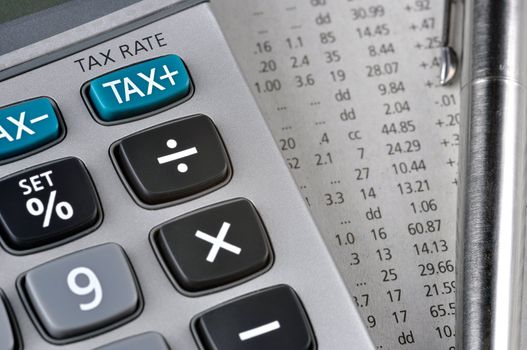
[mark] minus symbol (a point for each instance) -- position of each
(255, 332)
(38, 119)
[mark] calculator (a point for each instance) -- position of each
(143, 202)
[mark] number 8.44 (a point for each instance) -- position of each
(93, 286)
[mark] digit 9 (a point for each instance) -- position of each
(93, 286)
(372, 322)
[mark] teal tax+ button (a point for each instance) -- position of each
(27, 126)
(139, 89)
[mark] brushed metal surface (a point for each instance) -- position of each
(491, 211)
(494, 40)
(86, 35)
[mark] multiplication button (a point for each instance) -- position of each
(81, 294)
(171, 162)
(47, 204)
(213, 247)
(273, 318)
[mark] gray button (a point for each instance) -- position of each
(8, 340)
(145, 341)
(88, 291)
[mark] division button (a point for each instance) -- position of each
(81, 294)
(169, 162)
(28, 126)
(46, 204)
(140, 88)
(145, 341)
(273, 318)
(9, 339)
(213, 247)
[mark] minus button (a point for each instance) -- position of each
(255, 332)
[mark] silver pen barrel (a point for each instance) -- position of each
(492, 196)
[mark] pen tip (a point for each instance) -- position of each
(449, 63)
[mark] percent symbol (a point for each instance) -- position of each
(35, 207)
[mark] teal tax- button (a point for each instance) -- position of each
(139, 89)
(28, 126)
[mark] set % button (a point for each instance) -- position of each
(49, 204)
(35, 207)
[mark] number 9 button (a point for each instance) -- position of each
(81, 294)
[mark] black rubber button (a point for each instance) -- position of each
(46, 204)
(214, 246)
(273, 318)
(174, 160)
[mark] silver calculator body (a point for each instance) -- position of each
(57, 68)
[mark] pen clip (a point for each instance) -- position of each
(449, 57)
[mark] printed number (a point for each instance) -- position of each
(94, 286)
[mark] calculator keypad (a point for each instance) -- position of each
(273, 318)
(145, 341)
(83, 293)
(172, 161)
(92, 291)
(214, 246)
(48, 203)
(8, 337)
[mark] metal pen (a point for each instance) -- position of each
(492, 173)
